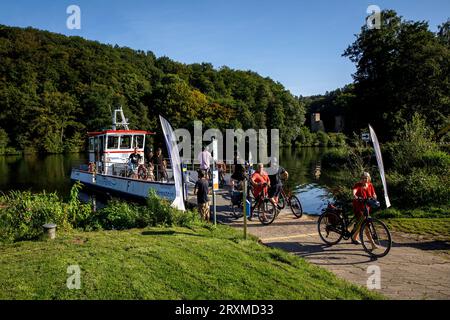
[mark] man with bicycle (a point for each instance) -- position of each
(277, 175)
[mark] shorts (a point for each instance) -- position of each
(203, 209)
(275, 191)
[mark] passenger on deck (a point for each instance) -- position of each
(161, 167)
(134, 160)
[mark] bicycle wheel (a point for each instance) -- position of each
(296, 206)
(281, 202)
(331, 228)
(267, 212)
(237, 211)
(375, 238)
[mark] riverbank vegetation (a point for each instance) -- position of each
(401, 88)
(23, 213)
(417, 173)
(128, 251)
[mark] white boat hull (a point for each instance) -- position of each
(125, 186)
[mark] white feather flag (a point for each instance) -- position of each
(175, 160)
(376, 146)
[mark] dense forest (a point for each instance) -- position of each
(402, 69)
(54, 88)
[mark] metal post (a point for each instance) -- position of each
(214, 194)
(244, 201)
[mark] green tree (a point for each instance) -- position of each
(4, 140)
(402, 68)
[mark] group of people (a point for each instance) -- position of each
(155, 168)
(261, 183)
(271, 186)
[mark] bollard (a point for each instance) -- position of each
(49, 231)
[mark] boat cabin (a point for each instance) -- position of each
(111, 149)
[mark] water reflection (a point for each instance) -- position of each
(37, 173)
(314, 198)
(306, 177)
(52, 173)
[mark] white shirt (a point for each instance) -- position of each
(204, 158)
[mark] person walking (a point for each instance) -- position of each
(201, 189)
(205, 158)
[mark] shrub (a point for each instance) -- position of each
(336, 139)
(117, 215)
(413, 141)
(159, 212)
(323, 139)
(335, 158)
(121, 215)
(80, 214)
(436, 161)
(24, 213)
(307, 138)
(4, 139)
(421, 188)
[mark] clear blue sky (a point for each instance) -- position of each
(298, 43)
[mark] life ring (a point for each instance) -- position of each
(142, 172)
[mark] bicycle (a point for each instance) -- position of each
(261, 206)
(333, 226)
(292, 201)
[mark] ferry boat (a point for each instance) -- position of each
(109, 169)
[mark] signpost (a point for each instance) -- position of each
(365, 137)
(244, 209)
(215, 178)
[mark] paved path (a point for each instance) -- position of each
(415, 268)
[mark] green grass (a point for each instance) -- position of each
(421, 212)
(438, 228)
(164, 263)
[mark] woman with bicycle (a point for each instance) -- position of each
(362, 190)
(260, 182)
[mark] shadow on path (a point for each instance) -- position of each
(426, 246)
(169, 233)
(330, 255)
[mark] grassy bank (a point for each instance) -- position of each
(437, 228)
(164, 263)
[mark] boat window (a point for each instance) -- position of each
(138, 142)
(91, 144)
(113, 142)
(102, 144)
(125, 142)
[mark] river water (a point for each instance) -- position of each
(52, 173)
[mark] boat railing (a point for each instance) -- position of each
(228, 168)
(123, 170)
